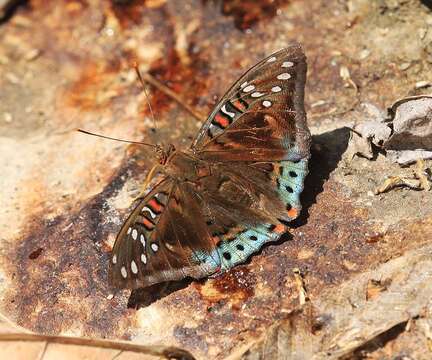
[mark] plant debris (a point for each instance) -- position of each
(405, 137)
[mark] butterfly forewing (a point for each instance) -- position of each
(262, 116)
(162, 240)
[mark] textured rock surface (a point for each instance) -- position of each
(68, 64)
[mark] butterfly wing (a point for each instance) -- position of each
(182, 229)
(261, 121)
(259, 137)
(162, 240)
(243, 205)
(262, 116)
(257, 142)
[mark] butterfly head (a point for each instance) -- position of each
(163, 152)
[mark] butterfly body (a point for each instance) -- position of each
(218, 202)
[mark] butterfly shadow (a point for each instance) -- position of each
(326, 152)
(140, 298)
(427, 3)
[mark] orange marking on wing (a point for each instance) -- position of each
(239, 105)
(221, 120)
(147, 223)
(292, 213)
(280, 229)
(155, 206)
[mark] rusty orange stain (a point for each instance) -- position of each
(95, 86)
(236, 286)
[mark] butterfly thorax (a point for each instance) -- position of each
(184, 166)
(163, 152)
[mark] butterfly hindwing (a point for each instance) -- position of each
(287, 178)
(243, 211)
(237, 249)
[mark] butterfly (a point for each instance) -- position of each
(210, 207)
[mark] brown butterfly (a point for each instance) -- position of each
(215, 204)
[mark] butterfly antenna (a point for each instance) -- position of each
(111, 138)
(145, 92)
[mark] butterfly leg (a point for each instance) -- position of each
(144, 188)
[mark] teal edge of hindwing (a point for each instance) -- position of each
(231, 252)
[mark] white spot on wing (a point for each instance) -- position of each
(155, 247)
(287, 64)
(284, 76)
(123, 272)
(129, 230)
(144, 259)
(267, 103)
(276, 89)
(225, 111)
(243, 85)
(134, 267)
(214, 129)
(114, 259)
(134, 234)
(158, 196)
(257, 94)
(142, 239)
(147, 209)
(272, 59)
(249, 88)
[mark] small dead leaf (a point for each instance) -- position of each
(422, 84)
(398, 181)
(359, 146)
(406, 157)
(421, 173)
(346, 77)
